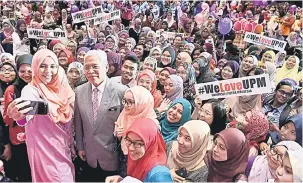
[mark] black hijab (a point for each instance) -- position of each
(204, 67)
(20, 83)
(4, 85)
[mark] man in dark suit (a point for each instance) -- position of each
(97, 107)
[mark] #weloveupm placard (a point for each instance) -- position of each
(251, 85)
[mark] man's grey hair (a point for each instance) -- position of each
(101, 55)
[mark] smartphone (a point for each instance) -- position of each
(182, 172)
(39, 108)
(25, 35)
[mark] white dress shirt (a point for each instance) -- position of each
(101, 88)
(118, 79)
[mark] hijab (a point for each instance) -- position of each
(85, 49)
(153, 49)
(170, 70)
(155, 93)
(53, 43)
(234, 67)
(8, 55)
(243, 73)
(115, 60)
(185, 57)
(73, 42)
(297, 120)
(153, 33)
(204, 67)
(151, 60)
(4, 85)
(192, 160)
(20, 83)
(154, 148)
(271, 53)
(257, 126)
(169, 130)
(99, 46)
(191, 47)
(296, 159)
(8, 33)
(115, 42)
(69, 55)
(178, 88)
(271, 71)
(190, 74)
(59, 45)
(237, 157)
(18, 31)
(133, 42)
(241, 104)
(279, 63)
(283, 72)
(144, 108)
(79, 67)
(291, 42)
(37, 16)
(123, 33)
(151, 40)
(172, 53)
(260, 171)
(59, 95)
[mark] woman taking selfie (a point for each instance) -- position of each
(48, 137)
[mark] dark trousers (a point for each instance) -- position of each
(97, 174)
(20, 163)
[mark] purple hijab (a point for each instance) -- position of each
(178, 85)
(234, 67)
(85, 49)
(114, 59)
(99, 46)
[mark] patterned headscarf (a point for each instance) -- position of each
(190, 73)
(257, 126)
(79, 67)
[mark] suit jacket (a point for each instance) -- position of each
(97, 139)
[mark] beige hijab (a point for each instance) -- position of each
(199, 132)
(144, 108)
(241, 104)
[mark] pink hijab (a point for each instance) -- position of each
(156, 93)
(144, 108)
(57, 93)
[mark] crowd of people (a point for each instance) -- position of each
(117, 101)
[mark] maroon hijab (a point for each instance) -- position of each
(237, 157)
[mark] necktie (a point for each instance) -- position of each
(95, 103)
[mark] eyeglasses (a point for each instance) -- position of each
(94, 67)
(127, 103)
(108, 41)
(275, 152)
(7, 70)
(128, 142)
(282, 92)
(205, 112)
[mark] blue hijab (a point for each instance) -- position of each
(297, 120)
(169, 130)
